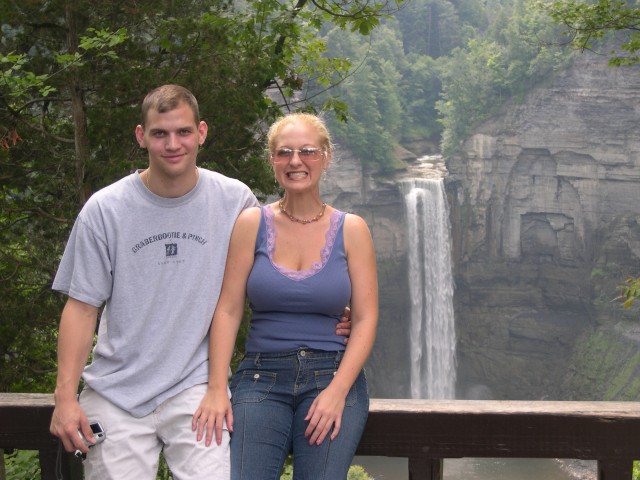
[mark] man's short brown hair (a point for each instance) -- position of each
(168, 97)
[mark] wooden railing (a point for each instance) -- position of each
(424, 431)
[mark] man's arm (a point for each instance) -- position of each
(75, 339)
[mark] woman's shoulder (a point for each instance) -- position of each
(246, 226)
(355, 222)
(249, 215)
(356, 231)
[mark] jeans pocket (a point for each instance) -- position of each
(323, 379)
(252, 386)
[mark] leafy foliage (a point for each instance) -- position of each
(72, 76)
(586, 23)
(436, 70)
(374, 116)
(22, 465)
(356, 472)
(629, 292)
(502, 63)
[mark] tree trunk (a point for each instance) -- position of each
(81, 133)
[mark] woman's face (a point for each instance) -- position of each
(297, 159)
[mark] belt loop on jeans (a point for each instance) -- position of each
(256, 361)
(338, 358)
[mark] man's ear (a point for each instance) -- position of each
(140, 136)
(203, 128)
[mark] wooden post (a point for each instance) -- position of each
(56, 464)
(421, 468)
(615, 469)
(49, 462)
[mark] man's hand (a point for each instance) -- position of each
(67, 421)
(343, 327)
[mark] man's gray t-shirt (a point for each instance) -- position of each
(158, 264)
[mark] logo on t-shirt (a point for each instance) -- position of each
(171, 249)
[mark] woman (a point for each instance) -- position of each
(299, 261)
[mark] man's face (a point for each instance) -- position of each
(172, 139)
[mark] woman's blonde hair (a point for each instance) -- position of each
(310, 119)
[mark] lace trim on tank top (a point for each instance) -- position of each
(324, 253)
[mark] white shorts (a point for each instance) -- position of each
(132, 445)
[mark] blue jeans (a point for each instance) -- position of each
(271, 394)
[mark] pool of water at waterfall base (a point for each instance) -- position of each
(385, 468)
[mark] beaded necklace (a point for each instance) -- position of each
(300, 220)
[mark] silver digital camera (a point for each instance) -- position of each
(99, 434)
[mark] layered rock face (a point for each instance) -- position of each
(545, 215)
(545, 205)
(380, 203)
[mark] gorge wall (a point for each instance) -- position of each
(545, 214)
(379, 201)
(546, 209)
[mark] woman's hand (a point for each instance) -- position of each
(214, 410)
(325, 412)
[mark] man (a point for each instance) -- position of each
(151, 248)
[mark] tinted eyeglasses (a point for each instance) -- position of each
(306, 153)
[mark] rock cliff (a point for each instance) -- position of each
(545, 210)
(545, 214)
(380, 203)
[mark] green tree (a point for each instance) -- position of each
(73, 74)
(472, 80)
(502, 63)
(436, 70)
(587, 23)
(375, 114)
(629, 292)
(421, 89)
(435, 27)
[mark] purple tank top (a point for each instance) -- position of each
(297, 309)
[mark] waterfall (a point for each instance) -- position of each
(432, 331)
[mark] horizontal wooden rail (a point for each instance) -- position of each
(427, 431)
(24, 425)
(424, 431)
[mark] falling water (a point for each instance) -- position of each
(432, 335)
(433, 374)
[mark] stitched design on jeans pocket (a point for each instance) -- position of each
(323, 379)
(254, 386)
